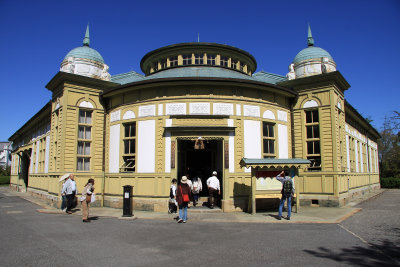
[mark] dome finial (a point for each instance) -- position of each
(310, 39)
(86, 40)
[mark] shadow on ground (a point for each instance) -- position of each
(385, 253)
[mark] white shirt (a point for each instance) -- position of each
(213, 182)
(67, 188)
(197, 186)
(173, 187)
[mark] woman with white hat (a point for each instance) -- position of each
(183, 196)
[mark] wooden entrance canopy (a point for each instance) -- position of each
(263, 173)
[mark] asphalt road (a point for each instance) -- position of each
(28, 238)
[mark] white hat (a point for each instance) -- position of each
(184, 180)
(214, 173)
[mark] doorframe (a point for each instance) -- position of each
(223, 139)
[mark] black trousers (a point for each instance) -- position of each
(70, 201)
(213, 193)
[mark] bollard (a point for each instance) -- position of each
(127, 202)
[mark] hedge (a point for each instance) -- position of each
(4, 180)
(390, 182)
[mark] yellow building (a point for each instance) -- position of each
(199, 107)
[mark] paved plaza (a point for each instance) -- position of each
(364, 233)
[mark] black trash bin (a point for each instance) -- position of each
(127, 204)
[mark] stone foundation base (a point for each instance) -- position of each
(235, 205)
(146, 204)
(334, 201)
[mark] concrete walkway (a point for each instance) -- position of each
(305, 215)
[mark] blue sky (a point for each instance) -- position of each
(362, 36)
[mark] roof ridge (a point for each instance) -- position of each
(126, 74)
(269, 74)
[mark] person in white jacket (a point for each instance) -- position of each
(213, 189)
(197, 187)
(69, 189)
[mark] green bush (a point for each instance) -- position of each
(390, 182)
(4, 180)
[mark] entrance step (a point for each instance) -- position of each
(203, 209)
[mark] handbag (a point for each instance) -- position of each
(88, 198)
(185, 197)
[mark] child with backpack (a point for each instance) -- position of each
(287, 193)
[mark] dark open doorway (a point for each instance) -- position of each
(202, 162)
(24, 171)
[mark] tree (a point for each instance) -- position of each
(389, 146)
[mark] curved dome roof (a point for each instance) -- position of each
(310, 53)
(85, 52)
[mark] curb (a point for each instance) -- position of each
(345, 217)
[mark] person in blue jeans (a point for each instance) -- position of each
(183, 196)
(287, 193)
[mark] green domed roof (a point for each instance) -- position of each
(310, 53)
(85, 52)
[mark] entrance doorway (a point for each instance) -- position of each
(24, 171)
(200, 162)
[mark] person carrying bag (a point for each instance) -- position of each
(86, 199)
(183, 196)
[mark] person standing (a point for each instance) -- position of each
(173, 205)
(197, 187)
(69, 189)
(86, 199)
(213, 189)
(287, 193)
(183, 195)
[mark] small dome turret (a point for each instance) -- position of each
(311, 61)
(85, 61)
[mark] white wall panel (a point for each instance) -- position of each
(252, 140)
(167, 151)
(361, 158)
(356, 155)
(146, 154)
(348, 153)
(32, 159)
(231, 152)
(113, 164)
(47, 154)
(283, 141)
(37, 156)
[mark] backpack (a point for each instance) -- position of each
(287, 188)
(171, 194)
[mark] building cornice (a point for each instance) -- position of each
(46, 110)
(335, 77)
(62, 77)
(181, 80)
(352, 112)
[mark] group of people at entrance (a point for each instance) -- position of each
(69, 191)
(181, 195)
(187, 190)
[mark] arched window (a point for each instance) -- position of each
(84, 140)
(313, 139)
